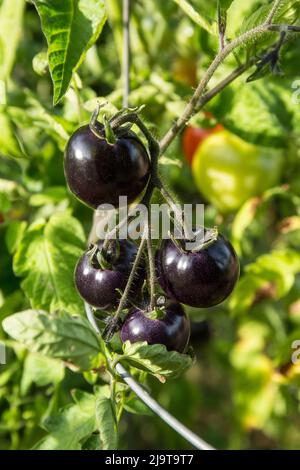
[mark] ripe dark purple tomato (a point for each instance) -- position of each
(200, 279)
(98, 172)
(172, 330)
(100, 287)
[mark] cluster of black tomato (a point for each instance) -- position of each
(98, 172)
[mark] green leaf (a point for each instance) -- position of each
(279, 267)
(1, 299)
(163, 160)
(72, 424)
(286, 349)
(46, 258)
(41, 370)
(40, 63)
(71, 27)
(288, 12)
(156, 359)
(64, 337)
(225, 4)
(9, 373)
(11, 19)
(12, 188)
(242, 221)
(106, 421)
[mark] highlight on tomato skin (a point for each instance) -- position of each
(100, 285)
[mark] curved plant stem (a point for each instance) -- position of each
(284, 27)
(134, 118)
(193, 104)
(273, 11)
(149, 401)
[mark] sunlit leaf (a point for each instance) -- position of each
(106, 420)
(11, 19)
(41, 370)
(155, 359)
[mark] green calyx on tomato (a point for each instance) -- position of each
(228, 171)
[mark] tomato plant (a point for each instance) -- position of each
(185, 70)
(94, 97)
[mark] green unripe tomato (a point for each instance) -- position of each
(228, 171)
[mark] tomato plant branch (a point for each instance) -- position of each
(149, 401)
(193, 104)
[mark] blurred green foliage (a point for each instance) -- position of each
(243, 391)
